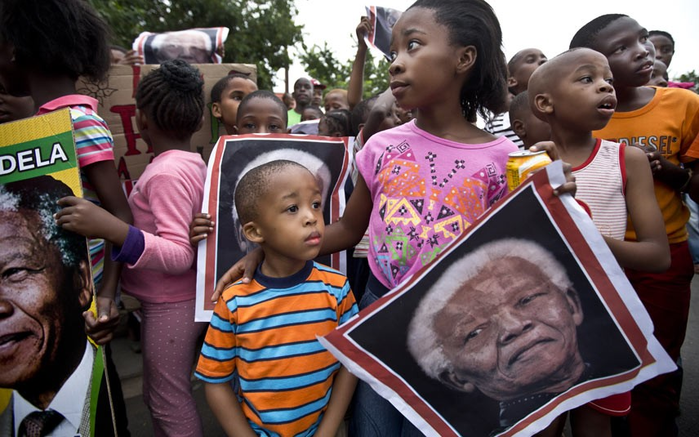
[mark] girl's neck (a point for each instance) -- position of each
(632, 98)
(165, 144)
(45, 88)
(449, 123)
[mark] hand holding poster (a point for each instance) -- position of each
(45, 358)
(514, 324)
(233, 156)
(382, 21)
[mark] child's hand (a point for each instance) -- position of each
(85, 218)
(551, 150)
(101, 329)
(131, 58)
(245, 268)
(363, 30)
(655, 158)
(200, 228)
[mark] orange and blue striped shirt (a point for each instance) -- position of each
(263, 334)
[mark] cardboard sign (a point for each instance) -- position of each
(525, 316)
(117, 107)
(47, 278)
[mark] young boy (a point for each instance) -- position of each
(226, 96)
(665, 123)
(529, 128)
(519, 70)
(263, 334)
(573, 93)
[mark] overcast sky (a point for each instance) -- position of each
(545, 24)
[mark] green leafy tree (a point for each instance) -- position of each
(690, 77)
(322, 64)
(260, 30)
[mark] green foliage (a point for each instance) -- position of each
(260, 30)
(322, 64)
(689, 77)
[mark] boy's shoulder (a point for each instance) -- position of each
(329, 272)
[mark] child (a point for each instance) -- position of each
(311, 113)
(261, 112)
(336, 99)
(573, 93)
(159, 259)
(519, 69)
(665, 123)
(529, 128)
(659, 75)
(264, 334)
(447, 64)
(226, 96)
(336, 123)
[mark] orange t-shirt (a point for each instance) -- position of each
(670, 123)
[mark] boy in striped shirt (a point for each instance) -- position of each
(264, 333)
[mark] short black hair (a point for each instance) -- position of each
(264, 94)
(519, 105)
(220, 86)
(315, 108)
(473, 22)
(340, 120)
(360, 113)
(57, 37)
(662, 33)
(41, 195)
(254, 185)
(172, 96)
(587, 35)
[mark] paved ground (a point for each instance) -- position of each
(129, 365)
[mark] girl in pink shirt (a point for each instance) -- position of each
(159, 261)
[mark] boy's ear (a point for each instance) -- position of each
(511, 82)
(216, 110)
(252, 232)
(467, 58)
(543, 103)
(518, 128)
(450, 379)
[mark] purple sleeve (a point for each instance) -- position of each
(132, 249)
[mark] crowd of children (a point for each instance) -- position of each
(605, 107)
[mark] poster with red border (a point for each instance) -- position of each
(386, 345)
(233, 156)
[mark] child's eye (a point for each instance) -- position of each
(620, 49)
(609, 80)
(412, 44)
(249, 126)
(586, 79)
(292, 208)
(392, 55)
(316, 205)
(274, 128)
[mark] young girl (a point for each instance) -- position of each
(446, 64)
(159, 259)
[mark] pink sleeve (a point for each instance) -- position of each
(171, 201)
